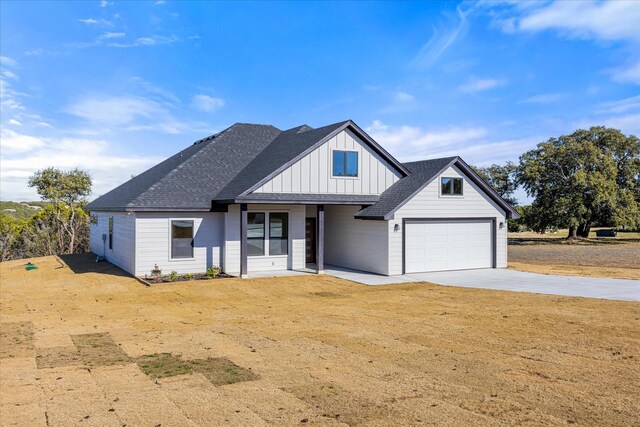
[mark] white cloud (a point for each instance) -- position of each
(88, 21)
(207, 103)
(401, 102)
(479, 85)
(604, 20)
(114, 111)
(9, 74)
(627, 74)
(5, 60)
(105, 3)
(620, 106)
(441, 41)
(156, 40)
(130, 113)
(23, 154)
(474, 144)
(14, 122)
(111, 35)
(545, 98)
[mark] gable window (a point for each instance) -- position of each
(255, 233)
(345, 163)
(278, 233)
(111, 233)
(451, 186)
(181, 239)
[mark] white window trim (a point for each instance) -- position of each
(178, 260)
(344, 177)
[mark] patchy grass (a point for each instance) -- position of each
(163, 365)
(404, 354)
(218, 370)
(573, 270)
(99, 350)
(16, 339)
(56, 357)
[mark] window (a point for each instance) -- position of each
(111, 233)
(451, 186)
(278, 233)
(345, 163)
(181, 239)
(255, 234)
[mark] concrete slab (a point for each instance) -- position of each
(366, 278)
(520, 281)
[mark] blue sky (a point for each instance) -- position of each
(115, 87)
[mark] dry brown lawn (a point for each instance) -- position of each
(617, 258)
(91, 346)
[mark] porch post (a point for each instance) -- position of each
(243, 241)
(320, 240)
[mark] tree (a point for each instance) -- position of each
(67, 192)
(501, 179)
(579, 179)
(10, 234)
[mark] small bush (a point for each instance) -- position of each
(173, 276)
(213, 272)
(187, 276)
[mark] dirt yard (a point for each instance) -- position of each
(615, 258)
(88, 345)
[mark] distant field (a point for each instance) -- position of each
(20, 210)
(617, 257)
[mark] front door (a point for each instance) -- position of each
(310, 239)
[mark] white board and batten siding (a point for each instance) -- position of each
(428, 203)
(153, 236)
(313, 174)
(295, 259)
(354, 243)
(123, 249)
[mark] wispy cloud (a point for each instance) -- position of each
(480, 85)
(112, 35)
(441, 40)
(545, 98)
(475, 144)
(605, 20)
(401, 102)
(207, 103)
(620, 106)
(627, 74)
(5, 60)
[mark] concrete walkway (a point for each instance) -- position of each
(507, 280)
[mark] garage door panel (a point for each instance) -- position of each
(448, 245)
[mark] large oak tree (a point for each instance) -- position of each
(591, 176)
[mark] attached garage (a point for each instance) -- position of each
(449, 244)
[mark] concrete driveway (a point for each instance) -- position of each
(520, 281)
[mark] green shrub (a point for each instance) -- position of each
(187, 276)
(173, 276)
(213, 272)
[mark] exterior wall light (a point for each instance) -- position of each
(396, 228)
(501, 225)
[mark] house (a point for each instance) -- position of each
(254, 198)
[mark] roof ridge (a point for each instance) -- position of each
(207, 140)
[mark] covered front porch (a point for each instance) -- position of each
(266, 237)
(275, 231)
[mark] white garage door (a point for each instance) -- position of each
(454, 245)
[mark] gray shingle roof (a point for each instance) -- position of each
(422, 173)
(190, 179)
(393, 197)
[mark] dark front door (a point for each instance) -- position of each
(310, 239)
